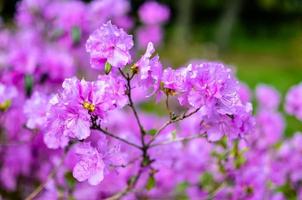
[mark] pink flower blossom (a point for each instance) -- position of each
(109, 44)
(153, 13)
(91, 165)
(293, 101)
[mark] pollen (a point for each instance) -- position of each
(88, 106)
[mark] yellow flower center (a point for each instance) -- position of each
(88, 106)
(5, 105)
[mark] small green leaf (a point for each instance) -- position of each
(28, 84)
(108, 68)
(180, 191)
(76, 35)
(70, 180)
(206, 179)
(152, 132)
(150, 183)
(173, 134)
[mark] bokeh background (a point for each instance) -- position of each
(262, 39)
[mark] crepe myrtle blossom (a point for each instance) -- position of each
(70, 112)
(109, 44)
(293, 101)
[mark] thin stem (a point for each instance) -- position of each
(179, 140)
(97, 127)
(53, 172)
(129, 188)
(171, 121)
(131, 104)
(168, 106)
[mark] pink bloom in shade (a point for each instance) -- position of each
(293, 101)
(244, 93)
(35, 110)
(268, 97)
(116, 10)
(7, 93)
(270, 125)
(149, 33)
(91, 165)
(109, 44)
(54, 136)
(149, 69)
(67, 14)
(237, 125)
(153, 13)
(57, 64)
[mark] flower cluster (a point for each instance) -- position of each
(96, 136)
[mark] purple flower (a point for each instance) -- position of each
(153, 13)
(268, 97)
(244, 93)
(71, 110)
(35, 110)
(7, 94)
(149, 33)
(293, 102)
(270, 126)
(109, 44)
(149, 69)
(91, 165)
(57, 64)
(210, 84)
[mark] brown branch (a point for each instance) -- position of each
(51, 175)
(131, 104)
(98, 127)
(184, 139)
(171, 121)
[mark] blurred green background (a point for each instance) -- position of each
(262, 39)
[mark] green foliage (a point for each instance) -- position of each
(152, 132)
(28, 84)
(70, 180)
(107, 68)
(151, 182)
(76, 35)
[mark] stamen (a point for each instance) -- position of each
(88, 106)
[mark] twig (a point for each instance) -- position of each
(39, 189)
(129, 187)
(171, 121)
(179, 140)
(97, 127)
(213, 194)
(131, 104)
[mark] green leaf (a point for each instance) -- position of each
(206, 179)
(108, 68)
(150, 183)
(180, 191)
(76, 35)
(28, 84)
(152, 132)
(70, 180)
(173, 134)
